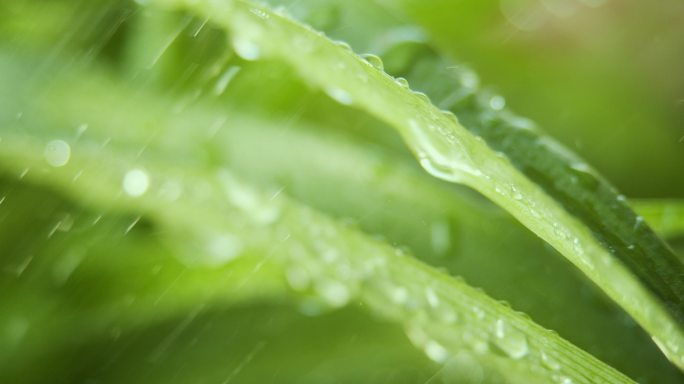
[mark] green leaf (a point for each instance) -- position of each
(238, 242)
(448, 151)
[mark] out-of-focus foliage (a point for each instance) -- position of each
(186, 196)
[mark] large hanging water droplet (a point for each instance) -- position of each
(374, 61)
(57, 153)
(510, 341)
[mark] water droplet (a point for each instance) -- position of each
(374, 61)
(515, 193)
(402, 82)
(469, 79)
(497, 103)
(479, 313)
(422, 96)
(638, 222)
(509, 340)
(400, 295)
(435, 351)
(582, 167)
(297, 277)
(259, 13)
(282, 11)
(432, 298)
(450, 116)
(340, 95)
(136, 182)
(562, 379)
(344, 46)
(621, 198)
(335, 293)
(246, 49)
(524, 315)
(549, 362)
(223, 248)
(57, 153)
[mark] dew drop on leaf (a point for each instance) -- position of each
(549, 362)
(57, 153)
(509, 340)
(374, 61)
(402, 82)
(422, 96)
(344, 46)
(450, 116)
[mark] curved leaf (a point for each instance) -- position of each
(449, 151)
